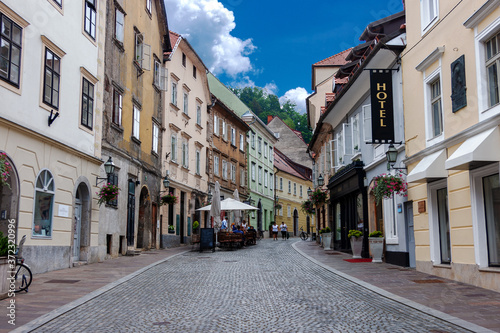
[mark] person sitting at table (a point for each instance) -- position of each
(244, 225)
(239, 231)
(233, 227)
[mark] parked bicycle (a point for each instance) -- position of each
(23, 276)
(303, 235)
(260, 235)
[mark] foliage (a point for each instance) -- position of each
(5, 169)
(107, 193)
(171, 227)
(4, 245)
(308, 207)
(386, 185)
(376, 234)
(264, 104)
(319, 197)
(325, 230)
(196, 224)
(354, 233)
(168, 199)
(278, 206)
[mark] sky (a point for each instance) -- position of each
(272, 44)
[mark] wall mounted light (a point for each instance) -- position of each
(109, 168)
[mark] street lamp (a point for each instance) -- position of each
(109, 168)
(321, 181)
(392, 156)
(166, 182)
(309, 192)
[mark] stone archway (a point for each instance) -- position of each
(144, 227)
(9, 197)
(81, 221)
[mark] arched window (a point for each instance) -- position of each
(44, 203)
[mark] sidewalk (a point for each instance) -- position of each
(463, 301)
(54, 289)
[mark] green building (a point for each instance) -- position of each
(260, 155)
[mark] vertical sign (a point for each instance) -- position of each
(382, 106)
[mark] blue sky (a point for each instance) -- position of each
(270, 43)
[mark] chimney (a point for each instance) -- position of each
(269, 118)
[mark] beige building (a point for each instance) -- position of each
(186, 139)
(452, 117)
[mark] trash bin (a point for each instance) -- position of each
(313, 236)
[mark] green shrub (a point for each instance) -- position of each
(4, 245)
(196, 224)
(354, 233)
(376, 234)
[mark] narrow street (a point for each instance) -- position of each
(270, 287)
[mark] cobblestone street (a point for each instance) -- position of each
(266, 288)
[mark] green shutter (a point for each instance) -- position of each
(178, 225)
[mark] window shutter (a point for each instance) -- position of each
(332, 153)
(347, 141)
(367, 123)
(146, 57)
(328, 154)
(163, 78)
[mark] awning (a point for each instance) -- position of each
(430, 167)
(476, 151)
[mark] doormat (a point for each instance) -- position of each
(428, 281)
(359, 260)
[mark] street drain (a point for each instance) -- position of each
(162, 323)
(428, 281)
(62, 281)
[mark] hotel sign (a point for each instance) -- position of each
(382, 106)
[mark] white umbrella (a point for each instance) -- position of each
(215, 207)
(237, 213)
(230, 204)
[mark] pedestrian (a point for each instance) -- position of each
(283, 229)
(244, 225)
(223, 224)
(275, 231)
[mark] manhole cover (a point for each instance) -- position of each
(161, 323)
(62, 281)
(428, 281)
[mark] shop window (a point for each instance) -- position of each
(44, 204)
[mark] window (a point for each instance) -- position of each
(51, 79)
(119, 24)
(58, 2)
(173, 98)
(294, 188)
(185, 154)
(117, 107)
(137, 122)
(492, 67)
(198, 168)
(186, 98)
(242, 142)
(289, 211)
(142, 52)
(157, 74)
(429, 13)
(44, 204)
(233, 136)
(113, 179)
(183, 60)
(265, 178)
(173, 148)
(300, 191)
(253, 171)
(224, 169)
(90, 17)
(253, 140)
(440, 232)
(491, 189)
(289, 187)
(265, 149)
(198, 114)
(233, 173)
(436, 110)
(10, 50)
(271, 155)
(260, 175)
(271, 181)
(355, 135)
(216, 125)
(259, 145)
(194, 71)
(224, 129)
(242, 176)
(281, 184)
(149, 6)
(155, 137)
(87, 103)
(216, 165)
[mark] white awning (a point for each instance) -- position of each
(430, 167)
(481, 149)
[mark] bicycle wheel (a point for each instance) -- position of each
(22, 278)
(303, 236)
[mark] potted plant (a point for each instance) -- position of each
(4, 265)
(196, 225)
(356, 238)
(327, 238)
(386, 185)
(168, 199)
(319, 197)
(171, 229)
(278, 206)
(376, 241)
(107, 193)
(308, 207)
(5, 169)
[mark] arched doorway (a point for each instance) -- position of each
(259, 216)
(143, 227)
(81, 223)
(9, 196)
(295, 222)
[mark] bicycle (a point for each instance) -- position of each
(303, 235)
(260, 235)
(22, 276)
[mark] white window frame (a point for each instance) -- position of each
(185, 153)
(265, 149)
(289, 187)
(185, 101)
(173, 147)
(117, 107)
(224, 129)
(119, 25)
(259, 145)
(216, 165)
(156, 131)
(224, 169)
(242, 177)
(253, 140)
(265, 178)
(300, 191)
(173, 94)
(271, 154)
(260, 175)
(435, 248)
(252, 167)
(294, 188)
(136, 123)
(428, 19)
(198, 114)
(233, 173)
(216, 125)
(289, 211)
(198, 162)
(149, 6)
(367, 123)
(429, 79)
(48, 188)
(356, 133)
(242, 142)
(233, 136)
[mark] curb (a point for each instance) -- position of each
(419, 307)
(40, 321)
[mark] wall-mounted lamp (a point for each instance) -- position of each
(392, 157)
(321, 180)
(309, 192)
(109, 167)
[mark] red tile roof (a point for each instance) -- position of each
(281, 163)
(330, 97)
(173, 41)
(335, 60)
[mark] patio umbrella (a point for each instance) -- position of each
(230, 204)
(237, 213)
(215, 207)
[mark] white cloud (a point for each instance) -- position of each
(298, 97)
(207, 25)
(242, 82)
(271, 88)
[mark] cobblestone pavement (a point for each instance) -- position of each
(265, 288)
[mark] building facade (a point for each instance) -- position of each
(136, 38)
(452, 117)
(187, 139)
(50, 128)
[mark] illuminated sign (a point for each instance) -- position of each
(382, 106)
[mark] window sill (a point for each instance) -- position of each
(155, 154)
(447, 266)
(184, 114)
(156, 88)
(234, 146)
(40, 237)
(119, 45)
(111, 206)
(490, 269)
(174, 163)
(185, 168)
(175, 107)
(137, 66)
(117, 127)
(135, 140)
(197, 175)
(199, 126)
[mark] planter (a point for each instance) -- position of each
(357, 247)
(376, 248)
(4, 273)
(327, 239)
(171, 231)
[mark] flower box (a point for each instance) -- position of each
(386, 185)
(168, 199)
(107, 193)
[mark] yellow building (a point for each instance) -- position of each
(452, 116)
(292, 182)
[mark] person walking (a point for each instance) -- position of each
(275, 231)
(283, 229)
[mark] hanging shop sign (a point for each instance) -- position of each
(382, 106)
